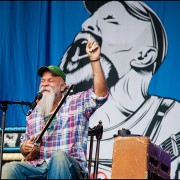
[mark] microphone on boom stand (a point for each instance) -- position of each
(34, 104)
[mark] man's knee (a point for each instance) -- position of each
(9, 170)
(60, 156)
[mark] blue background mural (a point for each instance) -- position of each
(37, 33)
(34, 33)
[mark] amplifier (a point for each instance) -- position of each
(135, 157)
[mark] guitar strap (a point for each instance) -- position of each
(171, 144)
(151, 114)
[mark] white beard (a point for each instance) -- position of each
(48, 99)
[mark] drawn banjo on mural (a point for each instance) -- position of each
(133, 46)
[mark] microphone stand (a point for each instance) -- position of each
(4, 108)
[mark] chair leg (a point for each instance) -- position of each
(96, 162)
(98, 131)
(90, 154)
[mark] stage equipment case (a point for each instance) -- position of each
(135, 157)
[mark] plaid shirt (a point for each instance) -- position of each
(70, 133)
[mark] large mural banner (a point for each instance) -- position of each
(139, 43)
(133, 46)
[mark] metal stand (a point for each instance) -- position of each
(96, 131)
(4, 108)
(98, 137)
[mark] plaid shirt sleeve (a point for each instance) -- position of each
(92, 102)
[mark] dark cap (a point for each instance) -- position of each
(53, 69)
(92, 6)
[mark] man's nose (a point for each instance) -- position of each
(91, 24)
(44, 83)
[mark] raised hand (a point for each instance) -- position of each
(93, 50)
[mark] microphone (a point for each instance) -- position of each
(33, 105)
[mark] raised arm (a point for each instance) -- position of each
(99, 82)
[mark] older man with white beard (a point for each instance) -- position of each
(50, 95)
(63, 147)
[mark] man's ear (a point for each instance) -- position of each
(146, 56)
(63, 86)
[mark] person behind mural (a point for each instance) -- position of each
(133, 46)
(63, 147)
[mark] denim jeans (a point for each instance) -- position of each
(60, 166)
